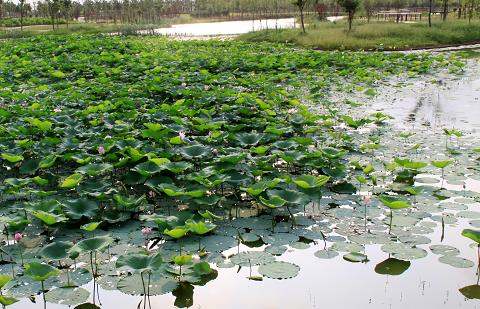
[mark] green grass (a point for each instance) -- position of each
(374, 35)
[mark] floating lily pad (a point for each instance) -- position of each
(299, 245)
(456, 261)
(275, 250)
(392, 266)
(280, 239)
(279, 270)
(132, 285)
(444, 250)
(471, 291)
(326, 254)
(252, 258)
(355, 257)
(346, 247)
(67, 296)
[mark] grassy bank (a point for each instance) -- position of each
(374, 35)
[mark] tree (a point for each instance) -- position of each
(22, 4)
(301, 4)
(369, 7)
(430, 9)
(351, 7)
(66, 6)
(445, 9)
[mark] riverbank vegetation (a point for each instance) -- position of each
(374, 35)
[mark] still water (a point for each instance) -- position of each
(226, 27)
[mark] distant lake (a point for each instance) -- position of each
(226, 27)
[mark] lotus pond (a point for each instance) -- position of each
(145, 172)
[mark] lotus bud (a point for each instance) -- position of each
(147, 231)
(18, 236)
(152, 194)
(215, 151)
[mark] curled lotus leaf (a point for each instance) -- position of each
(139, 262)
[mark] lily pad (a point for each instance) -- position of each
(67, 296)
(252, 258)
(456, 261)
(279, 270)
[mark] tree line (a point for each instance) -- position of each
(153, 11)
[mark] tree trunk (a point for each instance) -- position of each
(445, 9)
(21, 15)
(302, 21)
(350, 20)
(430, 14)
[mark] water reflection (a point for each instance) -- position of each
(444, 104)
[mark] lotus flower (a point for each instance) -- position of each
(182, 135)
(101, 150)
(367, 199)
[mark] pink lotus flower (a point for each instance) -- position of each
(57, 110)
(101, 150)
(215, 151)
(183, 85)
(182, 135)
(18, 236)
(292, 111)
(147, 231)
(367, 199)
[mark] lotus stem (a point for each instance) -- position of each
(148, 290)
(443, 230)
(391, 220)
(98, 295)
(478, 267)
(43, 292)
(91, 264)
(291, 216)
(365, 217)
(144, 292)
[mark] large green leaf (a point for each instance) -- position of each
(40, 272)
(309, 181)
(79, 208)
(56, 250)
(72, 181)
(99, 243)
(139, 262)
(472, 234)
(394, 202)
